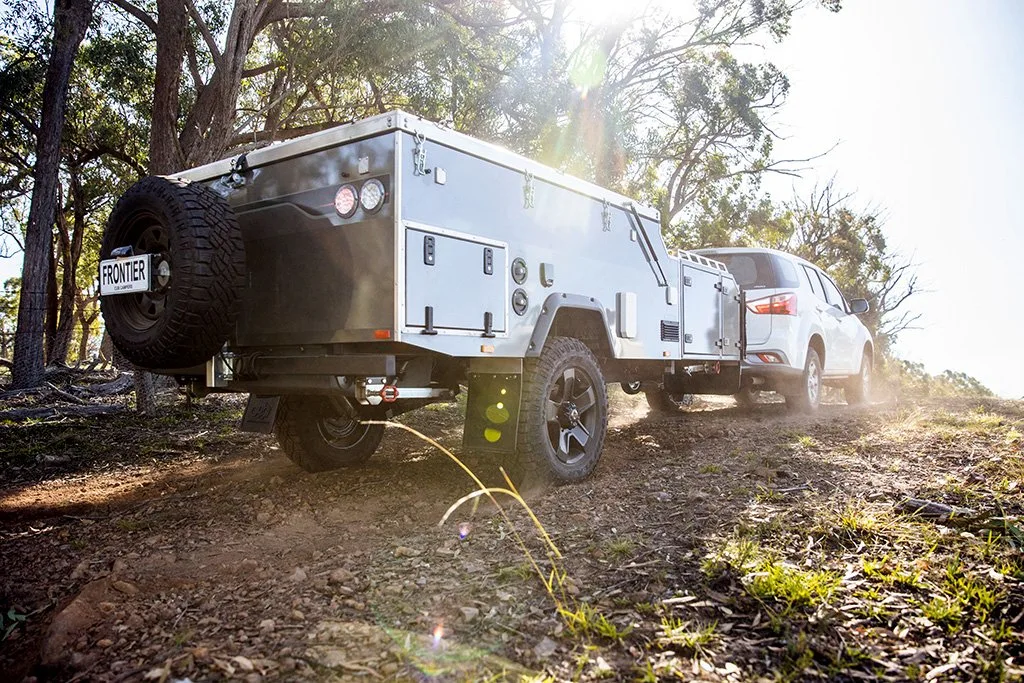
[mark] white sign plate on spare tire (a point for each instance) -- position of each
(125, 275)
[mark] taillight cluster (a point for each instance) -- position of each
(370, 196)
(777, 304)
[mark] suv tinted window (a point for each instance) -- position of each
(785, 271)
(813, 281)
(752, 271)
(832, 293)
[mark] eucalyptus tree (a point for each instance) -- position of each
(71, 19)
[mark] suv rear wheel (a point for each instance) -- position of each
(807, 396)
(858, 388)
(747, 397)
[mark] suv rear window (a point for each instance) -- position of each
(757, 270)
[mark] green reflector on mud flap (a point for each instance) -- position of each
(492, 412)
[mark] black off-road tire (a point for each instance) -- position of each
(546, 417)
(319, 434)
(661, 401)
(857, 390)
(747, 397)
(187, 320)
(631, 388)
(807, 396)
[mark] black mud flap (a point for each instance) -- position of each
(260, 413)
(492, 413)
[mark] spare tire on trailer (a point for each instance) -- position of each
(198, 273)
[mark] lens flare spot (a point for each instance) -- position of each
(504, 391)
(497, 413)
(492, 435)
(438, 633)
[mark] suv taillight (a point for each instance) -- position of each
(777, 304)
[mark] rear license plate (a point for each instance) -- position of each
(125, 275)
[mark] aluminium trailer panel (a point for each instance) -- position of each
(458, 212)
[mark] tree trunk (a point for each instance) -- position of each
(164, 152)
(50, 331)
(107, 350)
(71, 19)
(145, 393)
(208, 130)
(71, 254)
(85, 319)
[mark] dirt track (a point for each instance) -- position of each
(212, 557)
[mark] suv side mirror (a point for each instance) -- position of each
(859, 306)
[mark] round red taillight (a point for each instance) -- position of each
(346, 201)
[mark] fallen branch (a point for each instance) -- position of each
(49, 412)
(61, 394)
(121, 385)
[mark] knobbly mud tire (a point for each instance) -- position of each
(185, 321)
(318, 434)
(564, 415)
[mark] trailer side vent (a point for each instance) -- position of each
(669, 330)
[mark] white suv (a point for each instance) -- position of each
(801, 331)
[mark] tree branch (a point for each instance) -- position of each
(136, 12)
(260, 70)
(204, 30)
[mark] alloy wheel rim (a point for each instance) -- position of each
(147, 235)
(571, 413)
(813, 383)
(341, 431)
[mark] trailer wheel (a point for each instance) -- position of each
(746, 398)
(631, 388)
(807, 396)
(662, 401)
(198, 273)
(565, 413)
(857, 389)
(320, 433)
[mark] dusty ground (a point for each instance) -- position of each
(710, 544)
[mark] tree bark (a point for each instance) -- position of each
(71, 240)
(85, 319)
(164, 152)
(50, 329)
(71, 19)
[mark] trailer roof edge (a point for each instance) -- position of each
(401, 120)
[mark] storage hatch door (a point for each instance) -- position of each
(702, 312)
(461, 278)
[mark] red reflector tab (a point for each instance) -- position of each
(382, 334)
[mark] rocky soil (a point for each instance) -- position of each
(711, 544)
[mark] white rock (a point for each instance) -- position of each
(545, 648)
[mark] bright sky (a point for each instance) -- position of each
(927, 102)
